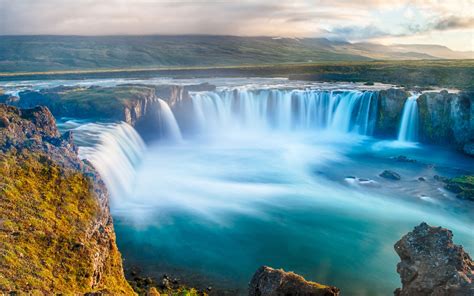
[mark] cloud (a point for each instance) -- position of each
(352, 20)
(453, 22)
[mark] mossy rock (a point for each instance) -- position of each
(46, 214)
(463, 186)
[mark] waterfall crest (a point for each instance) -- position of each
(114, 150)
(409, 124)
(342, 111)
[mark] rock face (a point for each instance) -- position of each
(446, 118)
(276, 282)
(431, 264)
(56, 231)
(390, 110)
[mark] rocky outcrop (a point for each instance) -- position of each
(276, 282)
(431, 264)
(390, 108)
(391, 175)
(56, 231)
(446, 118)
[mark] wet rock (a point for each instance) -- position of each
(446, 118)
(463, 187)
(469, 148)
(391, 175)
(440, 178)
(403, 158)
(165, 283)
(431, 264)
(390, 109)
(275, 282)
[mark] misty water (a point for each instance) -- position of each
(267, 181)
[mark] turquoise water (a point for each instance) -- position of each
(210, 212)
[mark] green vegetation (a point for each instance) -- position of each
(53, 53)
(463, 186)
(427, 73)
(96, 102)
(45, 213)
(147, 286)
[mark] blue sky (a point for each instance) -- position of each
(446, 22)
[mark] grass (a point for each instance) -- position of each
(44, 215)
(424, 73)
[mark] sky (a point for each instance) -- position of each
(444, 22)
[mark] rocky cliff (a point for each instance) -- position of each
(431, 264)
(447, 118)
(390, 109)
(56, 231)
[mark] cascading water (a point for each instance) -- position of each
(114, 150)
(342, 111)
(168, 126)
(244, 194)
(409, 124)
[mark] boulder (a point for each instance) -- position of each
(391, 175)
(431, 264)
(275, 282)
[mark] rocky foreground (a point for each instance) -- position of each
(56, 232)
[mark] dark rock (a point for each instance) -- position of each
(272, 282)
(469, 148)
(446, 118)
(390, 109)
(421, 179)
(165, 283)
(440, 178)
(391, 175)
(431, 264)
(403, 158)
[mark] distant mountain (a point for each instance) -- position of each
(438, 51)
(49, 53)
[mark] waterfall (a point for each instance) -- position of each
(168, 125)
(342, 111)
(409, 124)
(114, 150)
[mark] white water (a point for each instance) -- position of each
(409, 124)
(270, 188)
(285, 110)
(169, 128)
(115, 150)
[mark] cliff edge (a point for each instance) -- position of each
(56, 232)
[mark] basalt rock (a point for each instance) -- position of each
(390, 108)
(431, 264)
(275, 282)
(446, 118)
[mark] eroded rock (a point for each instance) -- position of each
(431, 264)
(276, 282)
